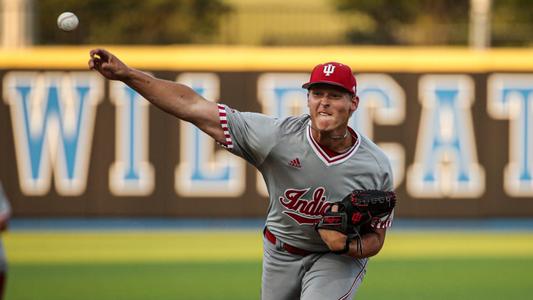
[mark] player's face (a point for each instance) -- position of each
(330, 108)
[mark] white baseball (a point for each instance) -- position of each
(67, 21)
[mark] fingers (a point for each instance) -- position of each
(335, 208)
(98, 57)
(107, 64)
(94, 63)
(101, 54)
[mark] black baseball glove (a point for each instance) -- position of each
(358, 208)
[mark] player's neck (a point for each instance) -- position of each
(336, 142)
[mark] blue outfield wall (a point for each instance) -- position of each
(455, 124)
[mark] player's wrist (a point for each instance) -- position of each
(129, 75)
(346, 248)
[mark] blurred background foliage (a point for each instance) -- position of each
(512, 23)
(131, 22)
(280, 22)
(436, 22)
(408, 22)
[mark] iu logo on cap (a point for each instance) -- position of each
(329, 69)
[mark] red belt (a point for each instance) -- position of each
(291, 249)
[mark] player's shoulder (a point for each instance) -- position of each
(376, 159)
(367, 143)
(285, 125)
(294, 123)
(374, 150)
(290, 121)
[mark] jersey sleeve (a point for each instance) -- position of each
(248, 135)
(387, 185)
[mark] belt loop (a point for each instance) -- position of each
(279, 245)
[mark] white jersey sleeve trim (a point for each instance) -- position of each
(384, 222)
(223, 117)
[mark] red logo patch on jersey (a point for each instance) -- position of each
(295, 163)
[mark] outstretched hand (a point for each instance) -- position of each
(108, 65)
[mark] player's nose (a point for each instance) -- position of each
(324, 100)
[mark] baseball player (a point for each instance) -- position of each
(5, 213)
(309, 162)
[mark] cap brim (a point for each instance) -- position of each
(310, 84)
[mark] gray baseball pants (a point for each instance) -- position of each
(317, 276)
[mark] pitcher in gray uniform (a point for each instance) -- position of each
(308, 162)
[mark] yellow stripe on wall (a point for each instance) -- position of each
(233, 59)
(161, 246)
(436, 244)
(132, 246)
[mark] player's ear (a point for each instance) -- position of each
(354, 104)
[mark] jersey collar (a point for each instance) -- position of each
(325, 157)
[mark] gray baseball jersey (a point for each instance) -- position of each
(301, 177)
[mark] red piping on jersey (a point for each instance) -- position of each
(324, 155)
(332, 153)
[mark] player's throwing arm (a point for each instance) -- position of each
(174, 98)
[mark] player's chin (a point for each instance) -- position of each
(325, 123)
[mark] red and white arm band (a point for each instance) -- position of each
(222, 114)
(384, 222)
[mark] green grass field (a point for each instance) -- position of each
(227, 265)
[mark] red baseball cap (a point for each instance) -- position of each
(333, 73)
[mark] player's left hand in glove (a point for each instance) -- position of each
(358, 208)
